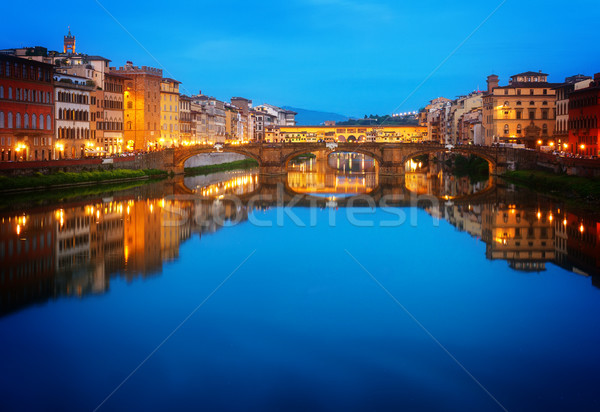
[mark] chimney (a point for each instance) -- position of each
(597, 77)
(492, 81)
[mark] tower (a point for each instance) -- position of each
(69, 43)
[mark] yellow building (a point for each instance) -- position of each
(397, 134)
(169, 113)
(522, 112)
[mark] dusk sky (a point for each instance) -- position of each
(344, 56)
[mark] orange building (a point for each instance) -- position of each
(142, 106)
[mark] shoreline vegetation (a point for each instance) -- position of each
(40, 197)
(557, 185)
(221, 167)
(69, 179)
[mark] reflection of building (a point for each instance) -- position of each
(583, 242)
(523, 237)
(338, 173)
(27, 255)
(142, 231)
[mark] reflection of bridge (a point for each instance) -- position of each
(275, 190)
(391, 157)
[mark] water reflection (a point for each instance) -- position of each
(339, 173)
(75, 248)
(436, 179)
(236, 182)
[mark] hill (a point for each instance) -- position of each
(307, 117)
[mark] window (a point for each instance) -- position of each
(531, 92)
(2, 121)
(518, 91)
(545, 91)
(18, 121)
(545, 129)
(41, 121)
(10, 92)
(532, 114)
(33, 121)
(532, 103)
(519, 114)
(9, 121)
(48, 122)
(506, 130)
(25, 121)
(519, 128)
(1, 92)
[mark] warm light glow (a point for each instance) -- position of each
(551, 144)
(565, 222)
(582, 147)
(581, 228)
(539, 215)
(539, 142)
(565, 145)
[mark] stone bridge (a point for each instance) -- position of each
(273, 158)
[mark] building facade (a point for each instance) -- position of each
(522, 112)
(72, 116)
(563, 91)
(26, 109)
(141, 106)
(584, 112)
(169, 113)
(185, 120)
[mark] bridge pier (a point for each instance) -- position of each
(272, 170)
(391, 169)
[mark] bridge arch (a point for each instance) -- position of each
(183, 154)
(345, 149)
(492, 162)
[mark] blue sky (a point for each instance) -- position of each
(345, 56)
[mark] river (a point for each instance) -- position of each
(331, 288)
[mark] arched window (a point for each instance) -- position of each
(9, 121)
(506, 129)
(519, 128)
(18, 121)
(48, 122)
(25, 121)
(41, 121)
(33, 121)
(1, 120)
(10, 92)
(1, 92)
(544, 128)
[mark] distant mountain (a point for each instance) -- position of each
(313, 117)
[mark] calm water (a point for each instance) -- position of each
(426, 292)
